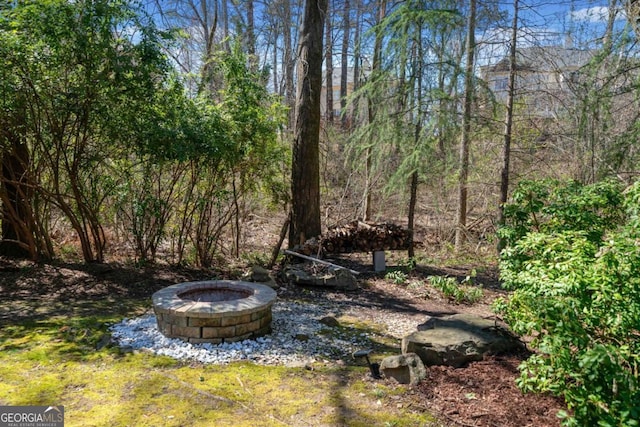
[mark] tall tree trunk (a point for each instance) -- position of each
(274, 62)
(508, 123)
(289, 64)
(251, 38)
(375, 67)
(305, 173)
(225, 25)
(413, 199)
(417, 54)
(328, 63)
(208, 26)
(346, 27)
(356, 59)
(466, 130)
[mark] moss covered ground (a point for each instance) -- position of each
(59, 360)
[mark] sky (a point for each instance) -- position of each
(580, 17)
(571, 23)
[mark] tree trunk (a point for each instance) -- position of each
(346, 26)
(251, 38)
(466, 131)
(209, 26)
(328, 62)
(288, 60)
(375, 67)
(417, 55)
(413, 199)
(305, 174)
(225, 25)
(274, 62)
(508, 123)
(356, 61)
(18, 226)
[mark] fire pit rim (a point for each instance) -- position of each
(168, 300)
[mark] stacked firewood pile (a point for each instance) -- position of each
(358, 236)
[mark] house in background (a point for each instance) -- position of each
(364, 71)
(545, 77)
(336, 107)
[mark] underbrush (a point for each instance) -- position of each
(464, 292)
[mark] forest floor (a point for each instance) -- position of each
(481, 394)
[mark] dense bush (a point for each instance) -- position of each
(99, 136)
(573, 264)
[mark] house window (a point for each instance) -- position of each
(501, 83)
(574, 77)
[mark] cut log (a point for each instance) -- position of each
(358, 236)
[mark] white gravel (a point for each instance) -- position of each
(286, 345)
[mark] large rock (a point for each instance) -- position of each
(260, 275)
(458, 339)
(404, 368)
(338, 278)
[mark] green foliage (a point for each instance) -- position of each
(411, 114)
(415, 285)
(79, 71)
(254, 117)
(398, 277)
(409, 264)
(464, 292)
(549, 206)
(174, 127)
(575, 271)
(111, 132)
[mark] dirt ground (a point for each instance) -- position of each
(480, 394)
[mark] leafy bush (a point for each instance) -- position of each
(549, 206)
(573, 263)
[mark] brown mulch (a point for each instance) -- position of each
(482, 394)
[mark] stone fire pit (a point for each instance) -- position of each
(214, 311)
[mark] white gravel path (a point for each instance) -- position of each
(291, 321)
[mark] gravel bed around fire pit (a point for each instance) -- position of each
(297, 337)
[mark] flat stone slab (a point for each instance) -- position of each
(337, 279)
(458, 339)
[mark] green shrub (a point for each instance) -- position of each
(575, 274)
(550, 206)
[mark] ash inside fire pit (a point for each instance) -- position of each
(213, 295)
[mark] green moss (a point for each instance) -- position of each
(55, 361)
(381, 341)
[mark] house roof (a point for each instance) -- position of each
(545, 58)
